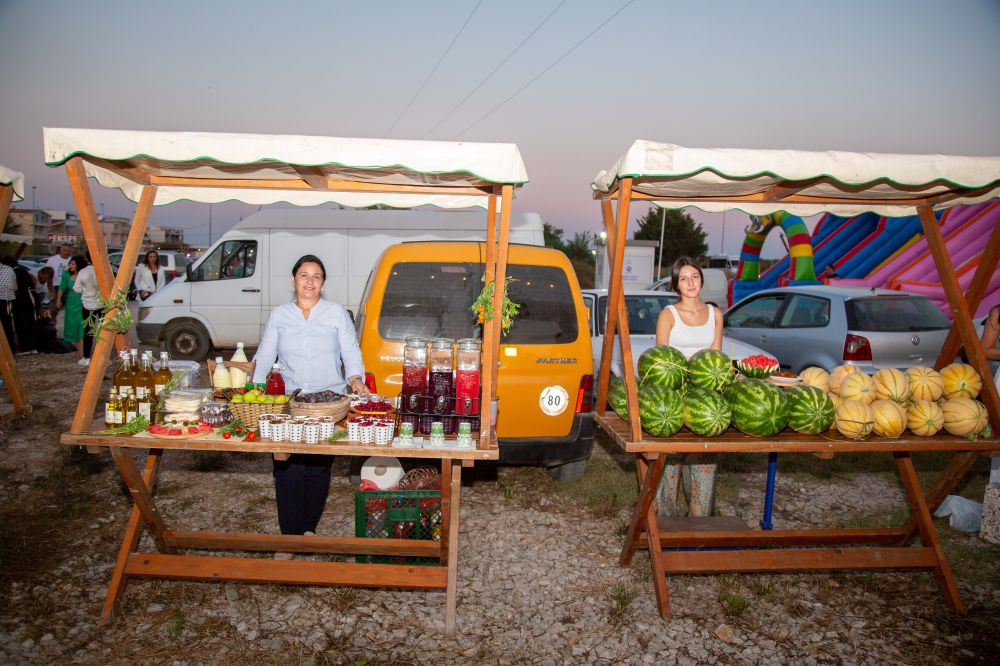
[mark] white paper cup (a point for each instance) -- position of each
(384, 433)
(279, 431)
(295, 431)
(310, 433)
(264, 426)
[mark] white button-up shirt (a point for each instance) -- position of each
(311, 350)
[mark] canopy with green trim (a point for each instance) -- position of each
(303, 170)
(803, 183)
(13, 179)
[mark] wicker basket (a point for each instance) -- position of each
(337, 409)
(247, 367)
(250, 412)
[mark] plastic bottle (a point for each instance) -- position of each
(275, 382)
(220, 378)
(238, 376)
(240, 355)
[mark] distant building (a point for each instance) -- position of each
(165, 238)
(47, 228)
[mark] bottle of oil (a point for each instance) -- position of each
(123, 374)
(145, 384)
(144, 407)
(112, 410)
(130, 406)
(134, 361)
(163, 375)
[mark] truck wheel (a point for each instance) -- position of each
(568, 471)
(188, 341)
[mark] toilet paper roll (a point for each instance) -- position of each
(384, 471)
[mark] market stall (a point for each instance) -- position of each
(156, 168)
(11, 190)
(762, 182)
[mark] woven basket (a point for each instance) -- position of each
(337, 409)
(247, 367)
(250, 412)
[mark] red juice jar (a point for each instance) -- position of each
(414, 373)
(467, 368)
(442, 378)
(275, 382)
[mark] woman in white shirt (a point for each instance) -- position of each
(689, 326)
(90, 295)
(149, 275)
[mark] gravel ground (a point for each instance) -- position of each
(538, 575)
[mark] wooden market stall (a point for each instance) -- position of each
(11, 190)
(803, 183)
(155, 168)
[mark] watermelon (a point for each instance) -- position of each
(617, 397)
(662, 365)
(810, 410)
(710, 369)
(706, 413)
(661, 411)
(759, 407)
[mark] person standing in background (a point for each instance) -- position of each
(8, 283)
(149, 275)
(24, 307)
(45, 291)
(60, 262)
(71, 302)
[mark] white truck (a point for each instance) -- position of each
(228, 293)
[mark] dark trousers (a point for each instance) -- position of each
(88, 338)
(301, 484)
(7, 321)
(24, 324)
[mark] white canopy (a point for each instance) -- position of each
(803, 183)
(189, 166)
(15, 179)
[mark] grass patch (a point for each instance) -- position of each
(972, 560)
(605, 488)
(733, 604)
(622, 596)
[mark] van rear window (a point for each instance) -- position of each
(432, 299)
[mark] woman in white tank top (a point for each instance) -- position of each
(689, 326)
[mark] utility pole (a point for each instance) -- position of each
(663, 226)
(209, 225)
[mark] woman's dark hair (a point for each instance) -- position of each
(9, 261)
(675, 272)
(145, 258)
(81, 262)
(309, 258)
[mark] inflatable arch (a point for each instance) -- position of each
(800, 253)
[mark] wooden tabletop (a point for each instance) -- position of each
(787, 441)
(215, 442)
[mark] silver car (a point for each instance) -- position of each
(826, 326)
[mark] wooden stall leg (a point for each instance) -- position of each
(451, 489)
(656, 552)
(12, 379)
(142, 495)
(649, 479)
(133, 530)
(951, 476)
(918, 507)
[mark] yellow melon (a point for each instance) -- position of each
(890, 418)
(925, 383)
(817, 377)
(854, 419)
(838, 374)
(964, 416)
(961, 381)
(924, 418)
(836, 402)
(892, 384)
(858, 386)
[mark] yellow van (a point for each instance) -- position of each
(546, 370)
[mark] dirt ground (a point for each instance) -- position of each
(539, 577)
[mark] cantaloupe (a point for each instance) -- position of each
(924, 418)
(892, 384)
(925, 383)
(890, 418)
(858, 386)
(960, 381)
(836, 402)
(854, 419)
(964, 416)
(817, 377)
(838, 374)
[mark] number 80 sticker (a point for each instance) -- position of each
(553, 400)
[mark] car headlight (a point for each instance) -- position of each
(144, 312)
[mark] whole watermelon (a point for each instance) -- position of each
(662, 365)
(617, 397)
(810, 410)
(711, 369)
(661, 411)
(706, 413)
(759, 408)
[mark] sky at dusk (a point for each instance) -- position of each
(573, 83)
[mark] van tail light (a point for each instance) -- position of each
(370, 383)
(856, 348)
(584, 397)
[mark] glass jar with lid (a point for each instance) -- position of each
(414, 372)
(468, 360)
(442, 378)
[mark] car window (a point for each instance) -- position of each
(588, 301)
(231, 260)
(642, 312)
(432, 299)
(758, 313)
(805, 312)
(894, 314)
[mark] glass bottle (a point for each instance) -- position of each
(144, 407)
(134, 365)
(414, 373)
(130, 408)
(163, 375)
(467, 368)
(123, 374)
(145, 382)
(442, 382)
(112, 413)
(275, 382)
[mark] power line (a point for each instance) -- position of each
(438, 64)
(543, 72)
(495, 70)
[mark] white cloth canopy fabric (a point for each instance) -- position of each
(289, 157)
(13, 179)
(865, 181)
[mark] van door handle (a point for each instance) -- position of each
(245, 291)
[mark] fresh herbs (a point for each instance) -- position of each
(134, 426)
(235, 428)
(337, 434)
(113, 315)
(482, 307)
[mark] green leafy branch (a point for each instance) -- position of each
(482, 307)
(135, 425)
(113, 316)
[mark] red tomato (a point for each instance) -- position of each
(226, 435)
(251, 436)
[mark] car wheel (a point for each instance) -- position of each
(188, 341)
(567, 472)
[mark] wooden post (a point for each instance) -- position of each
(6, 197)
(8, 367)
(451, 486)
(962, 316)
(489, 369)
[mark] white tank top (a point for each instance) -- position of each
(690, 339)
